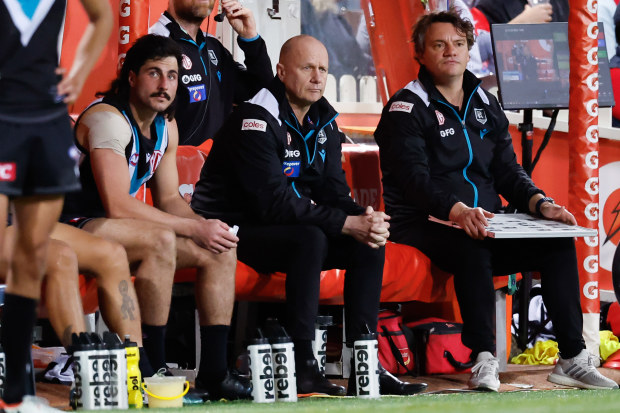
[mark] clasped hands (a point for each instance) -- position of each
(370, 228)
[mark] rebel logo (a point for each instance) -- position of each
(400, 106)
(362, 370)
(8, 172)
(254, 124)
(266, 374)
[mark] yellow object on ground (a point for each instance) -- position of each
(609, 344)
(543, 352)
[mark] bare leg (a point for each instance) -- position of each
(107, 261)
(62, 292)
(35, 217)
(215, 281)
(151, 249)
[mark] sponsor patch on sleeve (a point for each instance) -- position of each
(400, 106)
(254, 124)
(197, 93)
(291, 168)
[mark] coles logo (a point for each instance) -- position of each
(254, 124)
(186, 62)
(8, 172)
(440, 118)
(401, 106)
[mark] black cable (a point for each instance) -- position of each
(546, 139)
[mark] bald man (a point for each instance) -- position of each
(275, 170)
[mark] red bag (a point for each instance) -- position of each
(438, 347)
(394, 353)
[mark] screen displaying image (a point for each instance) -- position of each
(532, 64)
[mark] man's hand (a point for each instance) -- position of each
(472, 220)
(541, 13)
(371, 228)
(69, 87)
(213, 235)
(240, 18)
(557, 213)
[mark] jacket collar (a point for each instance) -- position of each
(470, 82)
(178, 33)
(320, 110)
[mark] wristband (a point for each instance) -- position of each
(540, 202)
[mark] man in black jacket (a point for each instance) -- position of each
(275, 170)
(445, 151)
(210, 80)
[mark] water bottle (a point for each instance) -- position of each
(319, 344)
(118, 370)
(261, 370)
(285, 379)
(366, 359)
(134, 377)
(85, 393)
(100, 362)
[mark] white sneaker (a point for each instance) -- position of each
(485, 373)
(580, 371)
(30, 404)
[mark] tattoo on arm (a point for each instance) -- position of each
(128, 307)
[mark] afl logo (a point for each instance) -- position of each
(133, 160)
(440, 117)
(187, 62)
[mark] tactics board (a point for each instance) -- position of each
(527, 226)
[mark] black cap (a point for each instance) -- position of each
(325, 320)
(112, 340)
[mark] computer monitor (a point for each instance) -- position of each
(532, 65)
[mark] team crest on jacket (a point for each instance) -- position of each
(187, 62)
(481, 115)
(440, 117)
(400, 106)
(322, 137)
(212, 57)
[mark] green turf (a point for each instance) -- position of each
(564, 401)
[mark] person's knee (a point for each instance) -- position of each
(62, 265)
(111, 259)
(161, 244)
(312, 240)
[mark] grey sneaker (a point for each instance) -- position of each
(30, 404)
(580, 371)
(485, 373)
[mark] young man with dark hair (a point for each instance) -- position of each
(128, 139)
(445, 151)
(37, 165)
(275, 170)
(210, 79)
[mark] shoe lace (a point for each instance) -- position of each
(488, 366)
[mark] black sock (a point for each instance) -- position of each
(213, 353)
(153, 340)
(145, 364)
(303, 352)
(20, 315)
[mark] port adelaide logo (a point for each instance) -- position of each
(481, 115)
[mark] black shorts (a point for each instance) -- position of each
(38, 158)
(77, 222)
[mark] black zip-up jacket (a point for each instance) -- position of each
(265, 168)
(210, 80)
(433, 155)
